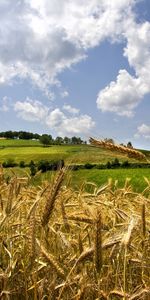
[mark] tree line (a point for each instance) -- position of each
(45, 139)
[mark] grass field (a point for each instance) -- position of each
(101, 177)
(19, 150)
(19, 143)
(32, 150)
(77, 179)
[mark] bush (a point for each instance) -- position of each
(31, 163)
(45, 165)
(10, 163)
(89, 166)
(22, 164)
(108, 165)
(32, 170)
(115, 163)
(125, 164)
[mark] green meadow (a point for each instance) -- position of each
(27, 150)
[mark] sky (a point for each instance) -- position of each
(76, 67)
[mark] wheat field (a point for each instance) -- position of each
(58, 243)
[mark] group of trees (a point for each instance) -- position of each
(45, 139)
(22, 135)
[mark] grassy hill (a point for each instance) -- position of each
(28, 150)
(24, 150)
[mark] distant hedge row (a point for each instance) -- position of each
(111, 165)
(45, 165)
(42, 165)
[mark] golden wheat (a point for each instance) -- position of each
(118, 148)
(108, 233)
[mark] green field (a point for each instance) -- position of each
(80, 178)
(19, 143)
(32, 150)
(101, 177)
(25, 150)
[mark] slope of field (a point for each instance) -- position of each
(33, 150)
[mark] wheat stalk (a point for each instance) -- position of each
(98, 243)
(52, 197)
(114, 147)
(51, 259)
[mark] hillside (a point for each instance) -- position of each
(28, 150)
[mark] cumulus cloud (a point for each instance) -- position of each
(143, 131)
(64, 94)
(40, 38)
(31, 110)
(55, 119)
(71, 109)
(65, 125)
(5, 103)
(123, 95)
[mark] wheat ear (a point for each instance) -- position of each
(51, 259)
(52, 197)
(98, 243)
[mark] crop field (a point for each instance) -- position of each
(62, 244)
(67, 234)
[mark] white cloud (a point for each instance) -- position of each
(71, 109)
(31, 110)
(69, 125)
(5, 103)
(143, 131)
(34, 111)
(40, 38)
(64, 94)
(137, 51)
(123, 95)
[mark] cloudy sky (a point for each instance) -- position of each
(76, 67)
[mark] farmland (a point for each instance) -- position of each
(73, 234)
(33, 150)
(23, 150)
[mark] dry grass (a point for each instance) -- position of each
(91, 246)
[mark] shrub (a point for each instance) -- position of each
(125, 164)
(45, 165)
(32, 170)
(89, 166)
(22, 164)
(115, 163)
(108, 165)
(10, 163)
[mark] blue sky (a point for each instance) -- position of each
(80, 68)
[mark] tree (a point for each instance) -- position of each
(67, 140)
(76, 140)
(45, 140)
(59, 140)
